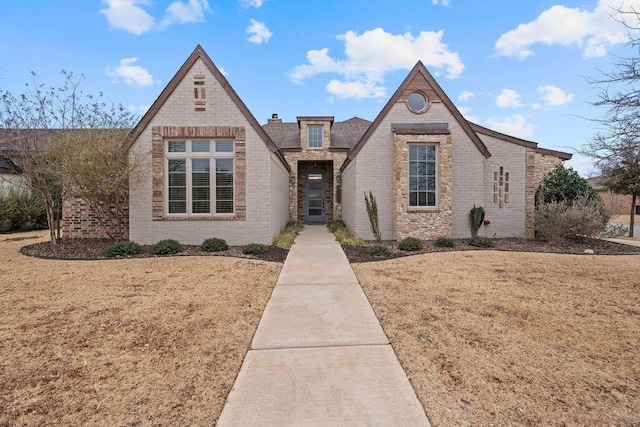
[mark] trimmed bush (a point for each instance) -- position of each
(122, 249)
(378, 249)
(481, 242)
(214, 245)
(254, 249)
(166, 247)
(444, 242)
(410, 244)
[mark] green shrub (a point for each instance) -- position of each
(445, 242)
(477, 217)
(20, 210)
(410, 244)
(122, 249)
(556, 222)
(481, 242)
(254, 249)
(166, 247)
(372, 213)
(564, 185)
(336, 225)
(378, 249)
(214, 245)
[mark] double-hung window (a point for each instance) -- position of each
(423, 175)
(199, 177)
(314, 136)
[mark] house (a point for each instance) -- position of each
(615, 204)
(209, 169)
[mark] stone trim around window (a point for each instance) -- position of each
(161, 133)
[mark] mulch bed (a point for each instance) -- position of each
(92, 249)
(599, 247)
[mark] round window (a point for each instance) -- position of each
(417, 102)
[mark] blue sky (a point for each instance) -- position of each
(519, 67)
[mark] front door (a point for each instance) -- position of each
(314, 198)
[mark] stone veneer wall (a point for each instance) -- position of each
(538, 165)
(423, 223)
(80, 222)
(160, 133)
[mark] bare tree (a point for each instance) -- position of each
(58, 135)
(616, 146)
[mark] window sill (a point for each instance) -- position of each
(428, 210)
(217, 217)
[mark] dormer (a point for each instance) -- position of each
(315, 132)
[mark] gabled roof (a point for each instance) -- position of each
(199, 53)
(344, 135)
(419, 69)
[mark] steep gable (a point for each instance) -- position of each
(199, 54)
(420, 79)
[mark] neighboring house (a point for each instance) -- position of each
(211, 170)
(616, 204)
(10, 174)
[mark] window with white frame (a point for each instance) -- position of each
(199, 177)
(314, 136)
(423, 176)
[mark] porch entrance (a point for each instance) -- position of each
(314, 198)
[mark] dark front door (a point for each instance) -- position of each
(314, 197)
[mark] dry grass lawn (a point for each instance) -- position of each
(499, 338)
(123, 342)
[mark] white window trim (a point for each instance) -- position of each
(190, 155)
(321, 137)
(437, 161)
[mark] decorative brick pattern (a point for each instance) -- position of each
(161, 133)
(423, 223)
(80, 222)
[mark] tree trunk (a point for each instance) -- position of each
(632, 216)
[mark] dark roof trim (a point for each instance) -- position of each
(485, 131)
(560, 154)
(420, 128)
(419, 68)
(316, 119)
(199, 53)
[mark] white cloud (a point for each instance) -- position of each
(442, 2)
(466, 112)
(127, 15)
(508, 98)
(180, 12)
(133, 75)
(139, 110)
(251, 3)
(465, 95)
(258, 32)
(514, 125)
(372, 54)
(554, 96)
(130, 15)
(595, 32)
(355, 89)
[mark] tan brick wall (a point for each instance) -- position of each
(423, 223)
(80, 222)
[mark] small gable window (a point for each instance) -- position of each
(417, 102)
(422, 176)
(199, 177)
(314, 136)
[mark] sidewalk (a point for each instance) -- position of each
(319, 355)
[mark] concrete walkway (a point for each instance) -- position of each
(320, 356)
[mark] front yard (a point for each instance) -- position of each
(154, 341)
(502, 338)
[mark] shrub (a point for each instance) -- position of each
(444, 242)
(20, 210)
(166, 247)
(287, 236)
(556, 222)
(122, 249)
(564, 185)
(254, 249)
(481, 242)
(410, 244)
(214, 245)
(378, 249)
(477, 217)
(372, 213)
